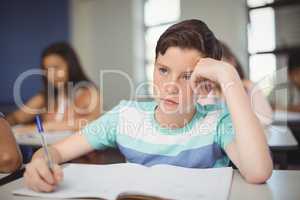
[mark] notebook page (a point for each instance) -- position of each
(173, 182)
(98, 181)
(165, 181)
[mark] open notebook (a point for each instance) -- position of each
(126, 181)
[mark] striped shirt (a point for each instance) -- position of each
(132, 127)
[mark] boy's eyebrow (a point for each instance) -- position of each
(162, 65)
(185, 73)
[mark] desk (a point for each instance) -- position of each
(2, 175)
(8, 177)
(282, 117)
(282, 185)
(33, 139)
(281, 140)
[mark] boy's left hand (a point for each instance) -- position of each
(209, 73)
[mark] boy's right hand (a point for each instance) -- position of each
(40, 178)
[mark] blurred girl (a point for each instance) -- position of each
(69, 99)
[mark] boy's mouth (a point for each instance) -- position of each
(169, 102)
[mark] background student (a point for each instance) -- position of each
(10, 156)
(291, 101)
(69, 99)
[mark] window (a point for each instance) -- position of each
(273, 34)
(261, 41)
(256, 3)
(158, 16)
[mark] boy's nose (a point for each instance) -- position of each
(171, 88)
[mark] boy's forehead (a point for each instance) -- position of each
(179, 58)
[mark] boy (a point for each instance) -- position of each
(173, 129)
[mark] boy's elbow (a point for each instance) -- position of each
(259, 176)
(9, 162)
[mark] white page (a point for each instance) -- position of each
(174, 182)
(171, 182)
(100, 181)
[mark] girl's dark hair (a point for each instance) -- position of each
(228, 54)
(192, 34)
(68, 54)
(65, 51)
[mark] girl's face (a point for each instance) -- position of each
(172, 72)
(56, 70)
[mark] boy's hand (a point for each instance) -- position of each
(40, 178)
(209, 74)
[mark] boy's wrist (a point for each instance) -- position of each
(227, 77)
(53, 153)
(226, 74)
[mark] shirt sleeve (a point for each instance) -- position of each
(1, 115)
(101, 133)
(225, 130)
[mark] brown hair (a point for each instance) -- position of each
(75, 70)
(227, 54)
(193, 34)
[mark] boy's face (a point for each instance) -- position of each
(172, 72)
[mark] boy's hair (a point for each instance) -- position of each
(191, 34)
(228, 54)
(294, 60)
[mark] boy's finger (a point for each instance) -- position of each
(43, 186)
(45, 174)
(38, 183)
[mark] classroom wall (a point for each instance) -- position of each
(226, 18)
(105, 36)
(26, 27)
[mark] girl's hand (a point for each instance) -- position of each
(209, 74)
(40, 178)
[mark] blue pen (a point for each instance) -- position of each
(44, 143)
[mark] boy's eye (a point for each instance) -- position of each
(163, 71)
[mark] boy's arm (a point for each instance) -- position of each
(249, 151)
(67, 149)
(10, 155)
